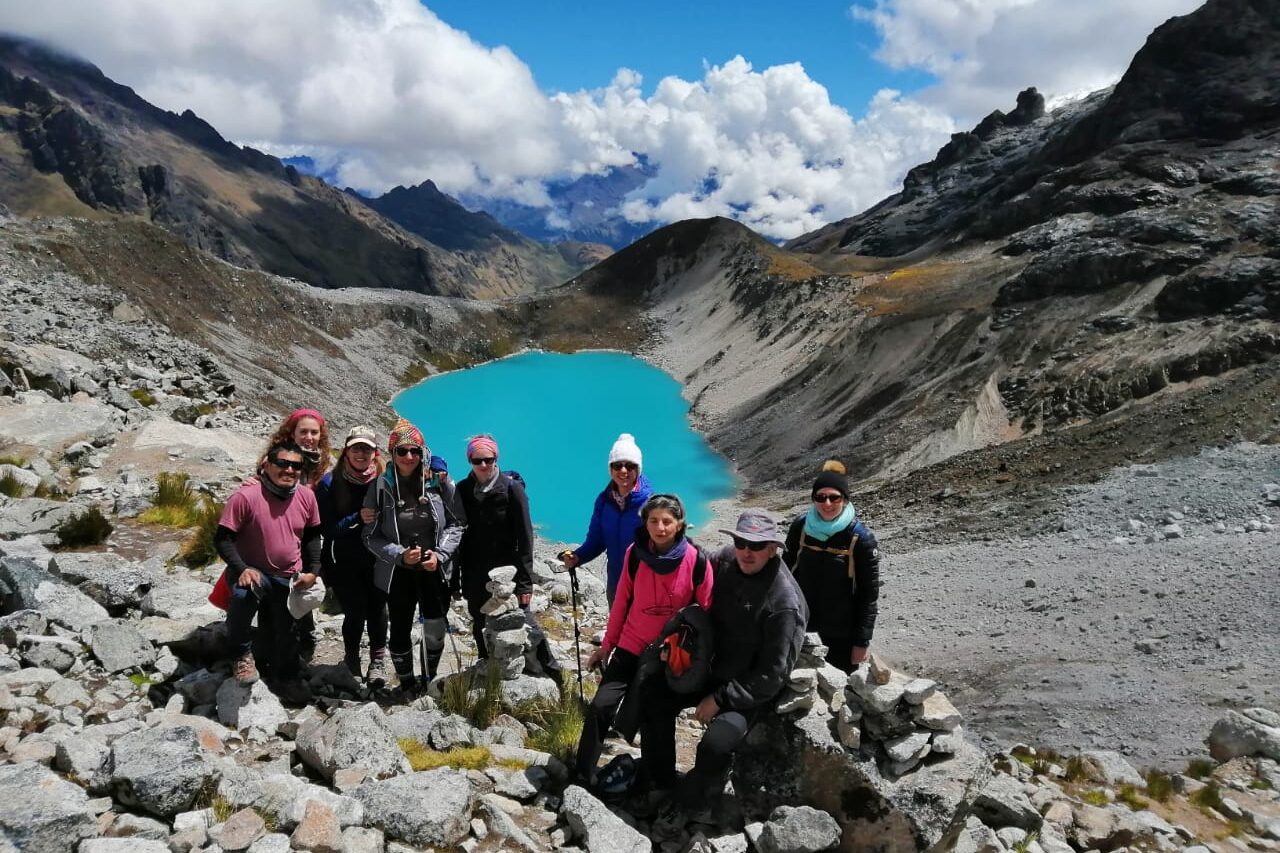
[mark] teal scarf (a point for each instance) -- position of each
(815, 527)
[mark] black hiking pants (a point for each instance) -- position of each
(597, 720)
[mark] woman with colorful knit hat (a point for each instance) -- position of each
(499, 533)
(836, 560)
(347, 564)
(413, 539)
(615, 518)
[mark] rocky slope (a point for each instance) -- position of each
(73, 142)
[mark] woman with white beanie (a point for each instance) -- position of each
(616, 515)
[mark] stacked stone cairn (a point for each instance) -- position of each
(505, 632)
(893, 716)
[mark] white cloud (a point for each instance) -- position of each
(386, 93)
(984, 51)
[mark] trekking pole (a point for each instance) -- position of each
(577, 639)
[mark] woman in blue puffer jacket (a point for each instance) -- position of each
(616, 516)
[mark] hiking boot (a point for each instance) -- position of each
(408, 688)
(377, 675)
(668, 824)
(246, 672)
(293, 691)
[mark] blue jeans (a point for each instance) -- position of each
(277, 646)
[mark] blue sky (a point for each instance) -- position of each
(497, 99)
(573, 46)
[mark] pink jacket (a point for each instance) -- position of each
(640, 609)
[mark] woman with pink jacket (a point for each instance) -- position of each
(661, 574)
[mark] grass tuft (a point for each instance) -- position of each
(1260, 784)
(414, 373)
(1076, 769)
(88, 528)
(1128, 794)
(10, 459)
(1095, 797)
(11, 486)
(480, 703)
(554, 727)
(198, 550)
(143, 396)
(1208, 797)
(176, 505)
(1201, 768)
(1159, 785)
(460, 758)
(1025, 844)
(50, 493)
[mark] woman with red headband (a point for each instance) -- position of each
(413, 540)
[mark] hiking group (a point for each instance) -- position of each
(718, 631)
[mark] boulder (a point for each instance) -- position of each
(1001, 802)
(119, 646)
(318, 830)
(524, 689)
(284, 797)
(34, 517)
(1242, 734)
(430, 807)
(972, 836)
(21, 623)
(1110, 768)
(251, 706)
(40, 812)
(799, 829)
(240, 830)
(182, 600)
(51, 424)
(30, 587)
(936, 712)
(357, 736)
(53, 653)
(597, 828)
(161, 770)
(109, 579)
(86, 758)
(123, 845)
(200, 687)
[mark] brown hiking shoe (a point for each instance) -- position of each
(246, 672)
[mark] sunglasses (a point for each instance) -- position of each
(288, 464)
(486, 461)
(408, 451)
(623, 466)
(744, 545)
(828, 499)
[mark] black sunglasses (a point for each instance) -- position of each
(489, 460)
(288, 464)
(744, 545)
(408, 451)
(628, 466)
(828, 499)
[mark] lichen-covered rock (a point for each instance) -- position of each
(799, 829)
(431, 807)
(40, 812)
(359, 736)
(1001, 802)
(119, 646)
(161, 770)
(1246, 733)
(599, 829)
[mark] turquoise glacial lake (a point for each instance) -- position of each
(555, 417)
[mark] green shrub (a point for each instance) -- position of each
(88, 528)
(1128, 794)
(1076, 769)
(11, 486)
(199, 550)
(143, 396)
(1201, 768)
(480, 703)
(1095, 797)
(1260, 785)
(1208, 797)
(460, 758)
(176, 505)
(10, 459)
(554, 727)
(414, 373)
(1159, 785)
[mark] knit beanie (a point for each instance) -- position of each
(832, 477)
(482, 447)
(405, 433)
(625, 449)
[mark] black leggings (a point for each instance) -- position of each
(617, 677)
(413, 590)
(363, 605)
(660, 705)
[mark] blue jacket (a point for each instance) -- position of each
(612, 530)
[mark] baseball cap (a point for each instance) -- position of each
(755, 525)
(362, 435)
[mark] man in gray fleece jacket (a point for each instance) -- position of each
(758, 615)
